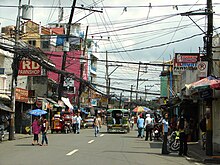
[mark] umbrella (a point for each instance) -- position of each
(149, 111)
(140, 109)
(37, 112)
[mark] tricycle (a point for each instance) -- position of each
(57, 124)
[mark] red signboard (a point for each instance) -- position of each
(21, 95)
(187, 57)
(29, 68)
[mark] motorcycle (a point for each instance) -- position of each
(1, 133)
(67, 127)
(174, 141)
(157, 132)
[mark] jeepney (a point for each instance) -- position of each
(118, 120)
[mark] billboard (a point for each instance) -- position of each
(183, 61)
(29, 68)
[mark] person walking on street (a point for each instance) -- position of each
(78, 122)
(149, 125)
(165, 128)
(140, 125)
(182, 127)
(132, 122)
(97, 125)
(74, 123)
(44, 129)
(36, 130)
(202, 126)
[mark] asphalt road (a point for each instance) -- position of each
(85, 149)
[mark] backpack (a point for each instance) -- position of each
(181, 123)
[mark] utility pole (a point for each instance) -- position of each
(82, 66)
(209, 133)
(107, 78)
(120, 106)
(138, 81)
(145, 89)
(131, 96)
(15, 67)
(60, 90)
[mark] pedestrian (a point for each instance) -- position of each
(97, 125)
(182, 126)
(140, 126)
(165, 128)
(44, 129)
(202, 126)
(36, 130)
(78, 122)
(149, 125)
(132, 122)
(74, 123)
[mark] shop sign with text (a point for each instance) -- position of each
(29, 68)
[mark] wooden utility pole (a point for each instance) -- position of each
(60, 90)
(15, 68)
(107, 78)
(131, 97)
(209, 133)
(82, 67)
(138, 81)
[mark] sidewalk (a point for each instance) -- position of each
(17, 136)
(197, 154)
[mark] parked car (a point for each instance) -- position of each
(88, 122)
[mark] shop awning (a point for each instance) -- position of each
(4, 107)
(4, 97)
(205, 83)
(55, 104)
(67, 102)
(83, 111)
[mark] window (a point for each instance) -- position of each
(32, 42)
(45, 44)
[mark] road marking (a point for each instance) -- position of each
(101, 135)
(91, 141)
(72, 152)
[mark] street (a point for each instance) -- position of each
(84, 149)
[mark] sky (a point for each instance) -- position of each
(130, 31)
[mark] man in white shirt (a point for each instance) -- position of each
(149, 125)
(74, 123)
(78, 122)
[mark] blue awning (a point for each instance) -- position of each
(82, 110)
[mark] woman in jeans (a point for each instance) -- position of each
(44, 129)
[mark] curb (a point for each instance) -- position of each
(196, 157)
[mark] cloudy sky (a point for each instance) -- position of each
(129, 30)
